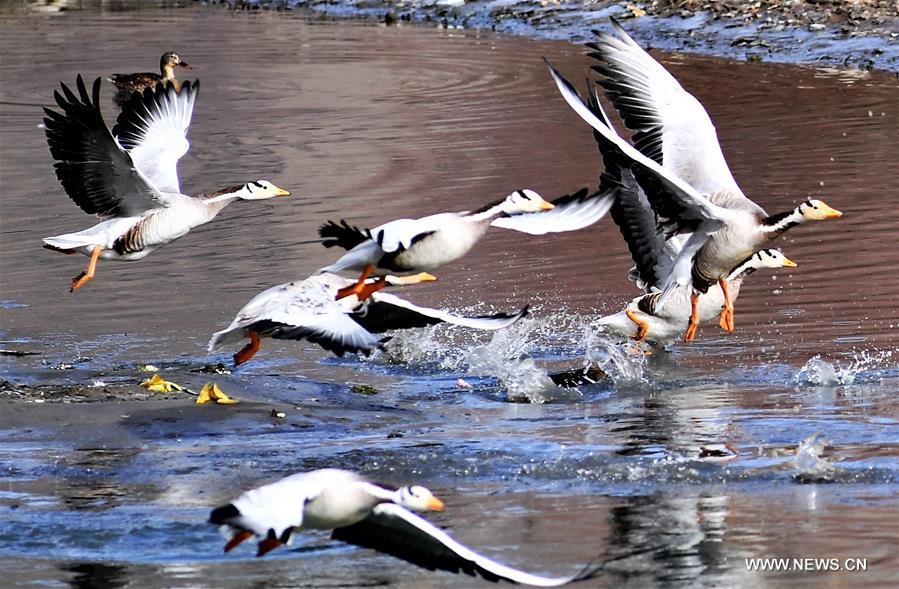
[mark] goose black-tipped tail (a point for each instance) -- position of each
(224, 515)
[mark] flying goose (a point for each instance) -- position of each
(645, 318)
(316, 310)
(407, 246)
(129, 177)
(364, 513)
(678, 162)
(127, 84)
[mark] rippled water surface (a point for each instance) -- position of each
(373, 123)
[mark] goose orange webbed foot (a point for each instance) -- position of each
(88, 273)
(249, 350)
(642, 326)
(358, 287)
(237, 539)
(690, 334)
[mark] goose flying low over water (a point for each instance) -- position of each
(407, 246)
(127, 84)
(129, 177)
(316, 310)
(679, 163)
(646, 318)
(364, 513)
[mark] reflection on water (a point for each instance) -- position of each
(373, 123)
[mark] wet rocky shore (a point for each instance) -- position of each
(860, 35)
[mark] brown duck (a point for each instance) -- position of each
(128, 84)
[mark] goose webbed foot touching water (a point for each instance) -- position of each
(314, 309)
(129, 176)
(364, 513)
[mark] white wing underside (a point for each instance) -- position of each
(394, 516)
(564, 217)
(690, 148)
(487, 323)
(162, 139)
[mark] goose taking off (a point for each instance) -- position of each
(129, 177)
(128, 84)
(679, 164)
(366, 514)
(645, 318)
(314, 309)
(407, 246)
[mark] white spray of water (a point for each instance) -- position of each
(819, 372)
(808, 461)
(624, 366)
(507, 354)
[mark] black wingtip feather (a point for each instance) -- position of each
(341, 234)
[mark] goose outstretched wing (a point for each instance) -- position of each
(398, 532)
(96, 173)
(153, 128)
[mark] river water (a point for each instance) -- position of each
(371, 123)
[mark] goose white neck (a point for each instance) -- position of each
(487, 214)
(782, 221)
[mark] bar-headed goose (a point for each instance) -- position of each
(679, 163)
(127, 84)
(407, 246)
(316, 309)
(366, 514)
(647, 317)
(129, 177)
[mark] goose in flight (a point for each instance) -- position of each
(314, 309)
(364, 513)
(678, 162)
(128, 84)
(407, 246)
(645, 318)
(129, 177)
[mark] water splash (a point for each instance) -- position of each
(623, 365)
(863, 366)
(809, 464)
(506, 357)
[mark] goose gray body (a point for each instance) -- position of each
(129, 176)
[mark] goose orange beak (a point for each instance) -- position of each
(788, 263)
(547, 206)
(832, 213)
(435, 504)
(281, 192)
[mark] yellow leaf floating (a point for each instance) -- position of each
(212, 392)
(157, 384)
